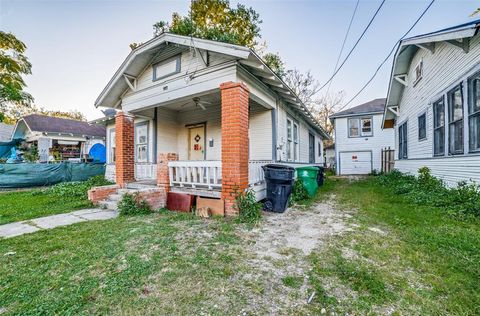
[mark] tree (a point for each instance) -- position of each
(304, 85)
(325, 106)
(215, 20)
(477, 11)
(13, 64)
(12, 114)
(275, 63)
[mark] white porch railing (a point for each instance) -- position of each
(255, 171)
(145, 171)
(194, 174)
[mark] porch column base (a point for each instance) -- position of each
(124, 149)
(234, 143)
(163, 176)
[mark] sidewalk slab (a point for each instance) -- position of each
(56, 220)
(99, 215)
(16, 229)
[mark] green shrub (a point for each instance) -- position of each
(425, 189)
(77, 189)
(130, 205)
(299, 193)
(250, 211)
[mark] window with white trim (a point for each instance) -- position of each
(166, 68)
(111, 158)
(418, 73)
(474, 113)
(403, 141)
(292, 140)
(141, 143)
(455, 120)
(422, 126)
(360, 127)
(439, 127)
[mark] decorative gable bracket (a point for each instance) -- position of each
(427, 46)
(131, 81)
(393, 109)
(402, 79)
(464, 44)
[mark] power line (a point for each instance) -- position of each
(354, 46)
(388, 56)
(343, 44)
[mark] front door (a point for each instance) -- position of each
(196, 142)
(311, 148)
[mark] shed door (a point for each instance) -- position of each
(196, 142)
(356, 162)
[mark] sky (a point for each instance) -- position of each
(75, 46)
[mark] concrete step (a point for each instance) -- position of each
(139, 186)
(115, 197)
(109, 205)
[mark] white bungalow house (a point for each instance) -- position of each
(433, 103)
(202, 117)
(359, 138)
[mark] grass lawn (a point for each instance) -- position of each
(23, 205)
(393, 257)
(400, 258)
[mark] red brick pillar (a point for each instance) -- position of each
(234, 142)
(163, 177)
(124, 149)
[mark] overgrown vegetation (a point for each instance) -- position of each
(299, 193)
(130, 204)
(250, 211)
(424, 189)
(60, 198)
(77, 189)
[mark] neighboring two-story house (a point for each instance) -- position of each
(359, 138)
(202, 117)
(433, 103)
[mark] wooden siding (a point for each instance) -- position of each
(442, 70)
(282, 113)
(260, 133)
(380, 139)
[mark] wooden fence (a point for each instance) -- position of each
(388, 159)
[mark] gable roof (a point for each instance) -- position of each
(48, 124)
(370, 107)
(5, 132)
(143, 55)
(408, 47)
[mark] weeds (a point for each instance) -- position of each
(248, 208)
(76, 189)
(130, 204)
(299, 193)
(425, 189)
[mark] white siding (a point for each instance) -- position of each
(380, 139)
(304, 129)
(442, 70)
(260, 133)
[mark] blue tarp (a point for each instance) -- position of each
(34, 174)
(6, 147)
(98, 153)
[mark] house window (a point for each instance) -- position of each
(402, 141)
(439, 128)
(474, 113)
(455, 120)
(166, 68)
(141, 142)
(422, 127)
(292, 140)
(111, 154)
(360, 127)
(418, 72)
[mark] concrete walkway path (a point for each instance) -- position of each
(48, 222)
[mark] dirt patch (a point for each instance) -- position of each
(280, 246)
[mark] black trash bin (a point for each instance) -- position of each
(279, 180)
(320, 175)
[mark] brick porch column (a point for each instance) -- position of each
(163, 177)
(234, 142)
(124, 149)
